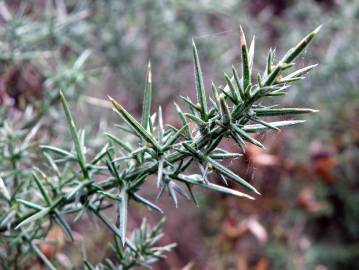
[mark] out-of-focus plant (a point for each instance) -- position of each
(338, 56)
(30, 47)
(131, 32)
(79, 180)
(331, 229)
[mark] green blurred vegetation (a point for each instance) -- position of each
(308, 215)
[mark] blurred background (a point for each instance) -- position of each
(308, 214)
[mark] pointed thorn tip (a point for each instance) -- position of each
(242, 37)
(316, 30)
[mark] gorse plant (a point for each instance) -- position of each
(73, 181)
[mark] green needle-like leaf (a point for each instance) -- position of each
(30, 204)
(161, 130)
(196, 119)
(231, 175)
(122, 215)
(53, 165)
(234, 92)
(145, 202)
(259, 127)
(74, 134)
(221, 156)
(227, 94)
(42, 189)
(200, 90)
(240, 142)
(294, 52)
(196, 180)
(111, 227)
(4, 191)
(226, 115)
(245, 136)
(273, 75)
(238, 83)
(245, 61)
(251, 54)
(160, 172)
(269, 63)
(281, 111)
(64, 225)
(194, 107)
(39, 215)
(184, 121)
(173, 138)
(220, 168)
(300, 72)
(58, 151)
(147, 99)
(113, 169)
(191, 193)
(132, 122)
(172, 193)
(88, 266)
(100, 154)
(215, 95)
(268, 125)
(127, 147)
(78, 188)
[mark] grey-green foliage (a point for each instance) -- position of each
(338, 56)
(132, 32)
(30, 37)
(36, 41)
(144, 251)
(335, 127)
(68, 181)
(40, 40)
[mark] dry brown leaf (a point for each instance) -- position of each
(54, 242)
(262, 264)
